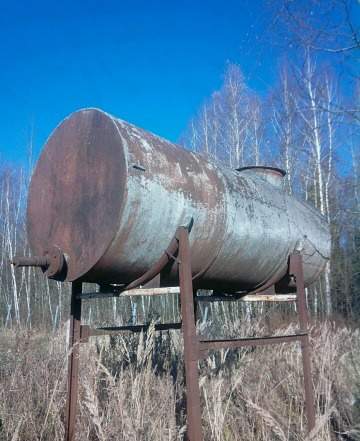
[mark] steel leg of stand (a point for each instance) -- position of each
(296, 266)
(73, 362)
(191, 344)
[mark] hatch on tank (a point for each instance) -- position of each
(272, 175)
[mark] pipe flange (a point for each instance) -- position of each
(56, 262)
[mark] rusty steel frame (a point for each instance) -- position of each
(195, 347)
(73, 361)
(296, 270)
(191, 343)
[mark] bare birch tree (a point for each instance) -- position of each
(284, 123)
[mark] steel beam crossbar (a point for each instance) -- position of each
(87, 332)
(97, 295)
(130, 293)
(207, 345)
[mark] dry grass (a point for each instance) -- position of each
(132, 388)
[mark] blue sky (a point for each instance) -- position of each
(151, 63)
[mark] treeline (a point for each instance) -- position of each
(302, 127)
(308, 124)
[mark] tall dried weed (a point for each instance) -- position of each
(131, 388)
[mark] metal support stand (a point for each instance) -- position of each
(296, 274)
(191, 343)
(73, 363)
(195, 347)
(296, 269)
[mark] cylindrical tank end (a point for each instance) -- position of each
(76, 191)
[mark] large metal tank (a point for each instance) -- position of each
(111, 196)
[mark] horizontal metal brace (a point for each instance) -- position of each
(130, 292)
(97, 295)
(217, 298)
(87, 332)
(206, 345)
(269, 298)
(248, 298)
(151, 291)
(176, 290)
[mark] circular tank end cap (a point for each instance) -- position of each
(77, 189)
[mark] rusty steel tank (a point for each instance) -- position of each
(110, 196)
